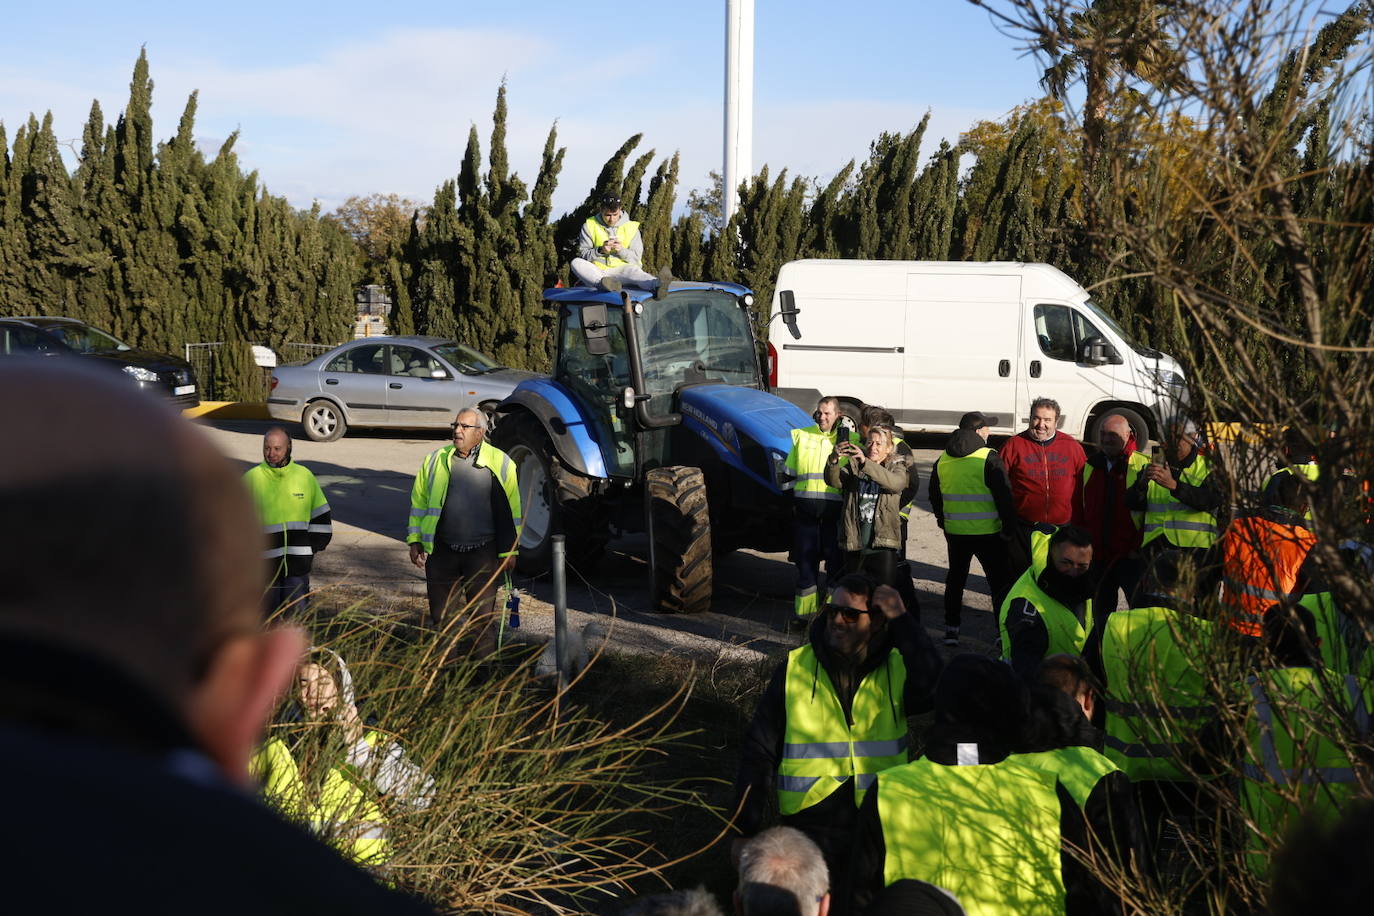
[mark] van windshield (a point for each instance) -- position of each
(1116, 329)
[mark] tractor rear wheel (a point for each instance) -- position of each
(680, 539)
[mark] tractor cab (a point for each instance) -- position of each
(627, 357)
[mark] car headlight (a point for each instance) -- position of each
(143, 375)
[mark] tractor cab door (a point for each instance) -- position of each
(597, 380)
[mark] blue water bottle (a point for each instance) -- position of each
(513, 610)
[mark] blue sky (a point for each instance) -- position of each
(342, 98)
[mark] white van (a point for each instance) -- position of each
(932, 340)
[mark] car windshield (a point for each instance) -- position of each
(696, 335)
(466, 359)
(85, 339)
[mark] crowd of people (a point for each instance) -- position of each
(1093, 746)
(1105, 726)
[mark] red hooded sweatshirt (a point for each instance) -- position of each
(1044, 476)
(1100, 507)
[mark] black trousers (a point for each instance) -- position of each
(992, 551)
(456, 581)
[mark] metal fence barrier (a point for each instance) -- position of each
(203, 359)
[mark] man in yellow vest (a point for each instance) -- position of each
(1179, 496)
(465, 525)
(610, 252)
(815, 520)
(295, 518)
(1304, 739)
(971, 499)
(834, 714)
(1050, 608)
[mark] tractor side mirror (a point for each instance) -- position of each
(627, 398)
(595, 331)
(789, 312)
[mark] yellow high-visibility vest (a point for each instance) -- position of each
(820, 749)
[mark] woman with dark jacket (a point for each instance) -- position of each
(872, 481)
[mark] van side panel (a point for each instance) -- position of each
(963, 342)
(853, 327)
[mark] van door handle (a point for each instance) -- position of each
(1004, 368)
(394, 385)
(331, 381)
(1035, 368)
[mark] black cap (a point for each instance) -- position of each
(975, 419)
(610, 201)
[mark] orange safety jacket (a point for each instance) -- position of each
(1261, 558)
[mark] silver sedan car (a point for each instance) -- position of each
(406, 382)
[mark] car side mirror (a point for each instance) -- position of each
(787, 300)
(595, 330)
(439, 373)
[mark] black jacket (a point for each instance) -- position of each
(113, 809)
(962, 443)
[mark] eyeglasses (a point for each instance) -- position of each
(457, 426)
(852, 614)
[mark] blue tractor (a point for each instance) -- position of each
(656, 418)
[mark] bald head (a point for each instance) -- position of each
(1113, 435)
(276, 448)
(126, 534)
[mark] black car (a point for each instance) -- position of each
(49, 336)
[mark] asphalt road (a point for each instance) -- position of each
(367, 478)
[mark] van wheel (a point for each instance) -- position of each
(1138, 426)
(680, 534)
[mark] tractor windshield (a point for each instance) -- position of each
(694, 336)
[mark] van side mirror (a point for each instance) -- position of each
(595, 331)
(789, 312)
(1095, 351)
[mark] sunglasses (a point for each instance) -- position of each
(852, 614)
(457, 426)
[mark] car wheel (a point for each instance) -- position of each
(323, 421)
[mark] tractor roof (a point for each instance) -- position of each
(590, 294)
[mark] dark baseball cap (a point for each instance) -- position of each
(976, 419)
(610, 201)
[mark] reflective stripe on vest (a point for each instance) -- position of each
(1170, 519)
(810, 451)
(624, 231)
(1261, 559)
(1292, 766)
(1078, 769)
(969, 507)
(989, 834)
(431, 486)
(1156, 699)
(820, 750)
